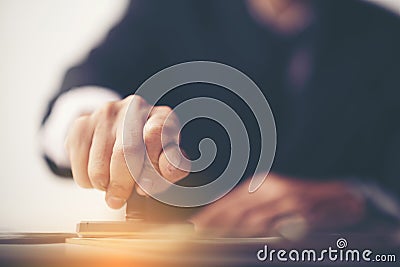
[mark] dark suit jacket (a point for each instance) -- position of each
(334, 88)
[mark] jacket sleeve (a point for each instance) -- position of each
(390, 166)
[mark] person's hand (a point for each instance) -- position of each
(96, 151)
(283, 206)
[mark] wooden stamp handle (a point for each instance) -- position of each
(136, 207)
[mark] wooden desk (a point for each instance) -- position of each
(187, 252)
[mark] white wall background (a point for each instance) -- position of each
(38, 41)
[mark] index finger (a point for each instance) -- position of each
(127, 148)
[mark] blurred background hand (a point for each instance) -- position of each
(282, 206)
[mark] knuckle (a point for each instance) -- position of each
(80, 123)
(173, 117)
(78, 131)
(97, 173)
(139, 101)
(170, 114)
(153, 131)
(109, 110)
(134, 148)
(118, 151)
(170, 129)
(165, 109)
